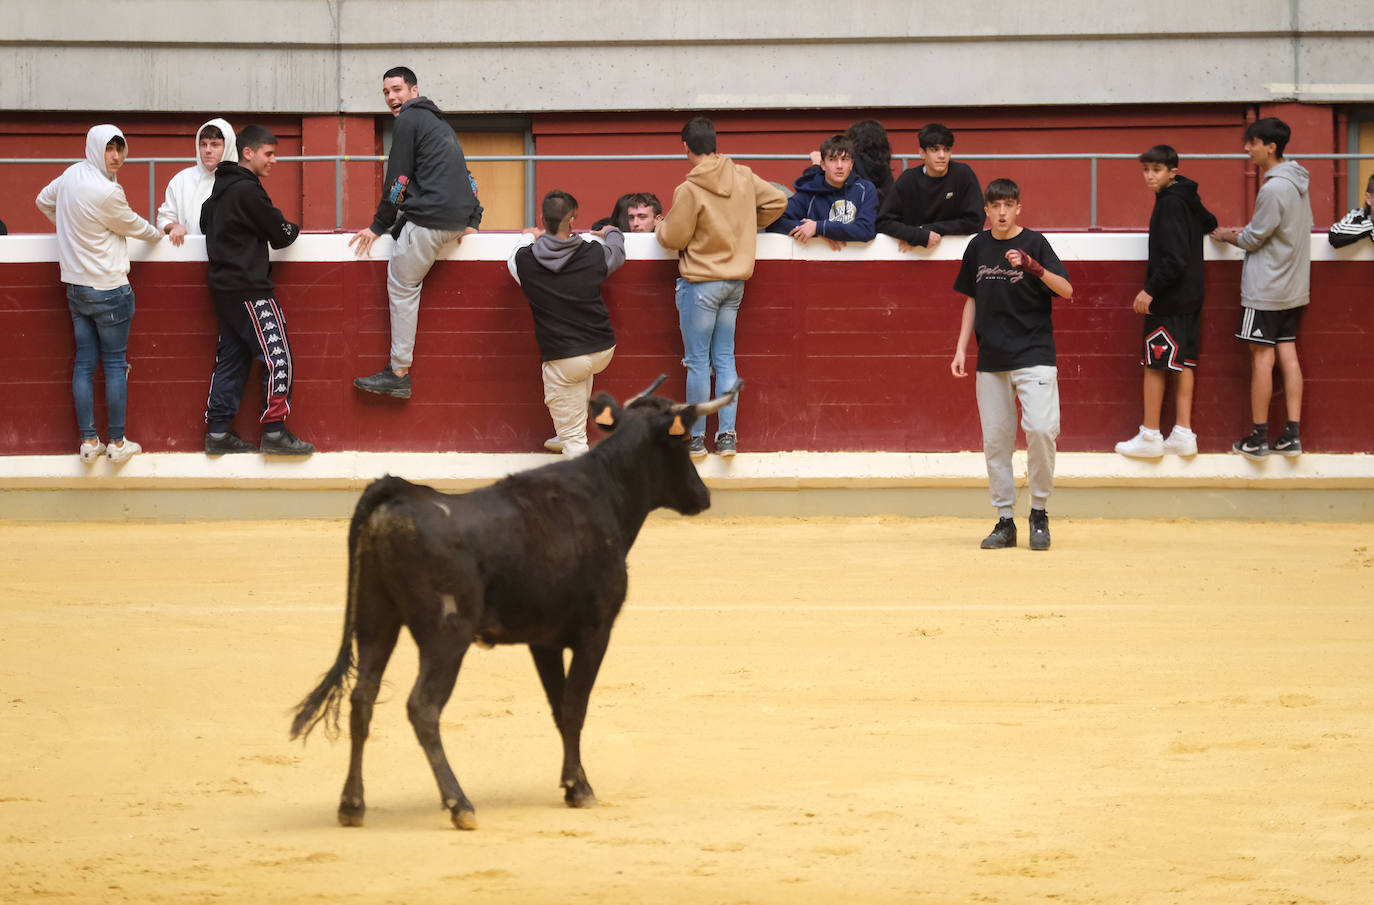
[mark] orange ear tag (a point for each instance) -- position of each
(677, 430)
(606, 418)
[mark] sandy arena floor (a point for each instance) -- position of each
(799, 711)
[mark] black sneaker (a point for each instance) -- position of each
(696, 447)
(285, 443)
(1251, 447)
(726, 444)
(1287, 445)
(228, 442)
(1003, 535)
(1039, 529)
(385, 383)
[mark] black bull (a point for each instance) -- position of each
(537, 558)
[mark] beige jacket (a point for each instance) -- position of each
(715, 218)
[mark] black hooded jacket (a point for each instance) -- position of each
(239, 222)
(427, 179)
(1174, 273)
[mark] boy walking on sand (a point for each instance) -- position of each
(1009, 277)
(1172, 304)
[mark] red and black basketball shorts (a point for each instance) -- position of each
(1171, 341)
(1269, 328)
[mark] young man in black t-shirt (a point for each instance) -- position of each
(1009, 278)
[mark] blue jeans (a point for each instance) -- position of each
(101, 319)
(707, 313)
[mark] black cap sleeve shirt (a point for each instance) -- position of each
(1011, 308)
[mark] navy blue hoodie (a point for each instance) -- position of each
(845, 214)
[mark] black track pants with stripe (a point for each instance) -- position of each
(249, 331)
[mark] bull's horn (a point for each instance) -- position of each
(715, 405)
(649, 392)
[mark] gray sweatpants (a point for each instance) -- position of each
(1037, 389)
(411, 258)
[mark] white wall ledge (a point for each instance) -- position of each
(497, 246)
(747, 471)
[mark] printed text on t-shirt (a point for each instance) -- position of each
(998, 272)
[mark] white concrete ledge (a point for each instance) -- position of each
(497, 246)
(747, 471)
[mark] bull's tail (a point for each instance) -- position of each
(324, 703)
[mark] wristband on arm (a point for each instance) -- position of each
(1032, 266)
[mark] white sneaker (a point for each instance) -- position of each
(553, 445)
(124, 451)
(1181, 442)
(89, 452)
(1147, 444)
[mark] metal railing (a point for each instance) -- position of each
(530, 160)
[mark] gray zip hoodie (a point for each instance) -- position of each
(1276, 274)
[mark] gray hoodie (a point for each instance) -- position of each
(1276, 275)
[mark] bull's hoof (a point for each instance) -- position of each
(580, 795)
(465, 819)
(351, 815)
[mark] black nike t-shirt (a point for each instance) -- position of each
(1011, 308)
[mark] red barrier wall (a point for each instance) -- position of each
(846, 354)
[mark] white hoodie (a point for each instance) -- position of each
(93, 218)
(188, 189)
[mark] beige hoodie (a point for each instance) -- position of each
(93, 218)
(188, 189)
(715, 219)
